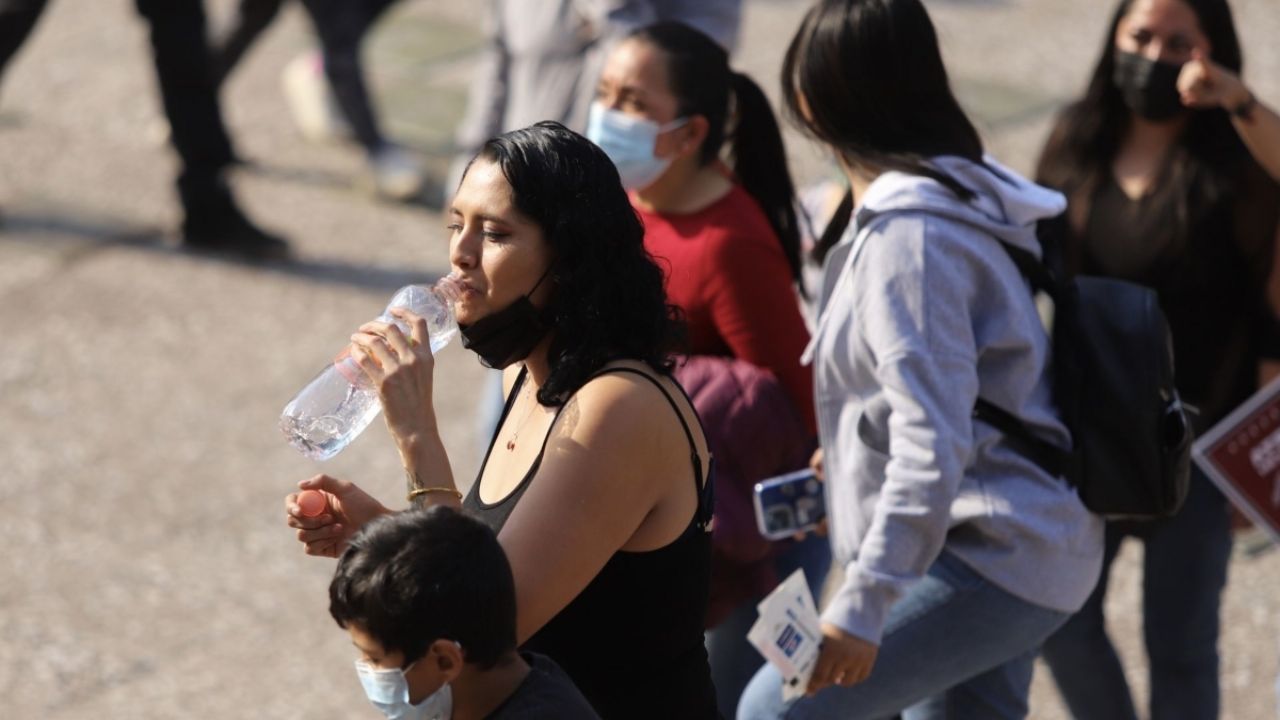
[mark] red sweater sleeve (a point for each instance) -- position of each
(754, 307)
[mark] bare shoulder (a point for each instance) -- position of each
(628, 387)
(624, 407)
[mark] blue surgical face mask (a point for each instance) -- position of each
(629, 141)
(388, 690)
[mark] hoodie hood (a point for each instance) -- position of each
(1007, 205)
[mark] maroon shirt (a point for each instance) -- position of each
(725, 268)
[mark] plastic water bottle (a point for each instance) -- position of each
(335, 407)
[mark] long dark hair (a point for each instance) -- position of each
(608, 302)
(1088, 133)
(866, 77)
(699, 76)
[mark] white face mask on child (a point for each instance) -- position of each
(388, 690)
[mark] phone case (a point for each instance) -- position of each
(787, 504)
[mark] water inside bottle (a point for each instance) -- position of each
(322, 436)
(330, 412)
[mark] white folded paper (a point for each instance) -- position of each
(788, 633)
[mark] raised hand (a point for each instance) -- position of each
(1206, 84)
(402, 368)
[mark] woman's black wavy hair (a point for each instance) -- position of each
(608, 300)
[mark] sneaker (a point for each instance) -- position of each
(232, 233)
(311, 102)
(395, 173)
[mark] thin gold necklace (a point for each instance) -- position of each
(515, 436)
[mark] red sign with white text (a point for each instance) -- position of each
(1241, 455)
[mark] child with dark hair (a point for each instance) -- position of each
(429, 600)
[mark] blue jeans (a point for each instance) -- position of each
(1184, 572)
(733, 660)
(955, 646)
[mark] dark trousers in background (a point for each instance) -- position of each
(190, 97)
(1184, 572)
(252, 17)
(341, 26)
(186, 90)
(17, 18)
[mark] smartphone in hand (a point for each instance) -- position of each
(788, 504)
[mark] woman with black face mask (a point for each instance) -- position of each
(598, 479)
(1169, 163)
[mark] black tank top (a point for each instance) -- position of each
(632, 639)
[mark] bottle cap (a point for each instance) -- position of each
(312, 503)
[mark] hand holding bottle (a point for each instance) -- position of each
(335, 407)
(401, 368)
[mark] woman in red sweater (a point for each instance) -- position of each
(727, 237)
(728, 240)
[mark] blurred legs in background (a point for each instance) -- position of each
(212, 220)
(1184, 573)
(326, 91)
(17, 18)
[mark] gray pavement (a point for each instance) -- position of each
(147, 572)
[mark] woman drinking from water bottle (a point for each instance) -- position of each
(597, 479)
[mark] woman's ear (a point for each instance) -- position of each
(685, 140)
(695, 133)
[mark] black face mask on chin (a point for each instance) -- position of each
(507, 335)
(1149, 87)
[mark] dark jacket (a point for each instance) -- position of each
(753, 433)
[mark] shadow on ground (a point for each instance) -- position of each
(80, 238)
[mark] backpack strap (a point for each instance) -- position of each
(1052, 459)
(1032, 269)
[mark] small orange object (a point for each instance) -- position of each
(312, 503)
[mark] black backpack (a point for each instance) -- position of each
(1113, 381)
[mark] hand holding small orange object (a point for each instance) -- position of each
(312, 503)
(345, 509)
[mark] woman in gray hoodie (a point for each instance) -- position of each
(960, 555)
